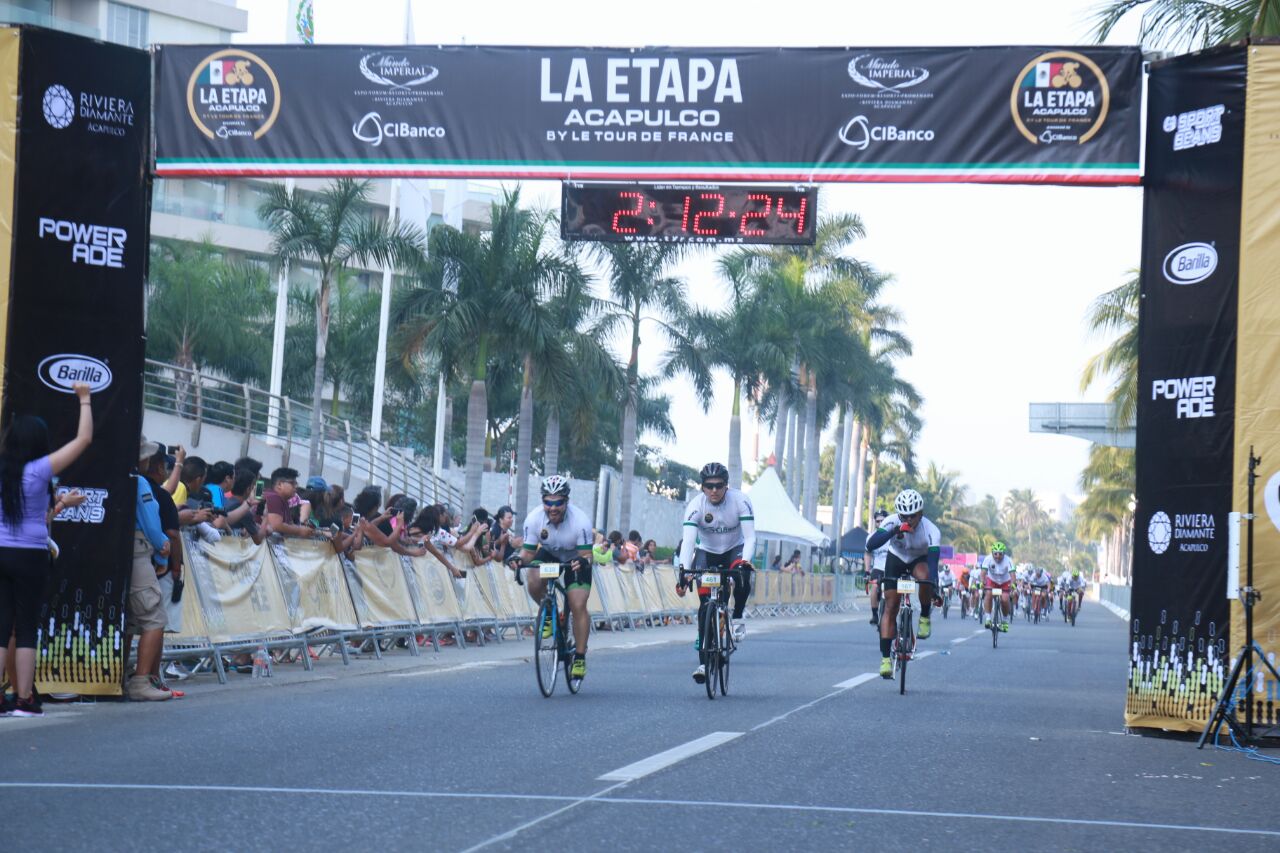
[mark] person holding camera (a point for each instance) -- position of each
(277, 516)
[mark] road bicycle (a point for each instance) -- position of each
(718, 644)
(553, 642)
(1073, 607)
(964, 604)
(946, 600)
(904, 644)
(997, 615)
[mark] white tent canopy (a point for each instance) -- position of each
(777, 517)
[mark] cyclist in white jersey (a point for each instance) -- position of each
(874, 561)
(998, 569)
(946, 581)
(914, 547)
(719, 533)
(559, 532)
(1040, 581)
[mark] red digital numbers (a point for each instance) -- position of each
(639, 200)
(797, 215)
(711, 214)
(748, 231)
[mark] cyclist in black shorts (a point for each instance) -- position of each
(559, 532)
(719, 531)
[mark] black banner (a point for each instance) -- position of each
(1186, 387)
(76, 314)
(990, 114)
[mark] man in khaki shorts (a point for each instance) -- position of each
(145, 614)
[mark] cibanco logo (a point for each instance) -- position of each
(859, 133)
(1159, 532)
(61, 372)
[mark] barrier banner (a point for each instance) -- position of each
(315, 585)
(73, 309)
(378, 589)
(1258, 366)
(439, 602)
(237, 587)
(1186, 388)
(987, 114)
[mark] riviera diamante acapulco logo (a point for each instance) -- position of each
(233, 93)
(1159, 532)
(1060, 97)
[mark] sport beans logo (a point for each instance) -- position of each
(233, 93)
(1060, 97)
(61, 372)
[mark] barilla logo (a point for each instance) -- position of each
(1190, 263)
(61, 372)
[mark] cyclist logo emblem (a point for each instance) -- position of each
(708, 518)
(233, 93)
(544, 534)
(1159, 531)
(1060, 96)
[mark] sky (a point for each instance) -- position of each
(993, 281)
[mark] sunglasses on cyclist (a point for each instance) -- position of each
(715, 486)
(554, 504)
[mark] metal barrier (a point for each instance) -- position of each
(1116, 598)
(292, 595)
(254, 413)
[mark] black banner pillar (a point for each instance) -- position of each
(1186, 388)
(75, 313)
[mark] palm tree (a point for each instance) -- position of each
(641, 288)
(1021, 513)
(353, 340)
(1190, 24)
(1116, 312)
(583, 324)
(332, 229)
(481, 297)
(1106, 513)
(206, 313)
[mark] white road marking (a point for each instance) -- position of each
(479, 664)
(958, 640)
(924, 655)
(856, 680)
(512, 833)
(624, 801)
(671, 756)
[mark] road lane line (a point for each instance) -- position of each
(958, 640)
(923, 655)
(856, 680)
(512, 833)
(621, 801)
(671, 756)
(478, 664)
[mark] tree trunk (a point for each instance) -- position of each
(317, 388)
(812, 448)
(551, 452)
(735, 437)
(797, 481)
(859, 482)
(871, 501)
(837, 485)
(524, 443)
(446, 457)
(628, 464)
(854, 440)
(477, 418)
(780, 423)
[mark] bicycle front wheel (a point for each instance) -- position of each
(906, 641)
(546, 649)
(725, 646)
(570, 649)
(711, 648)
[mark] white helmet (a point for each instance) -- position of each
(555, 485)
(907, 502)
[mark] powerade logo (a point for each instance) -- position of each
(94, 245)
(1190, 263)
(1192, 394)
(61, 372)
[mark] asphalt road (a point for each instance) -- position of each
(1017, 748)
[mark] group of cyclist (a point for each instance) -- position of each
(906, 544)
(719, 536)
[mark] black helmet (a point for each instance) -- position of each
(712, 470)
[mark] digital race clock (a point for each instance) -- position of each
(688, 213)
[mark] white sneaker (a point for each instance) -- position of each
(700, 674)
(178, 671)
(739, 630)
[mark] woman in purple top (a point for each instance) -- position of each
(26, 467)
